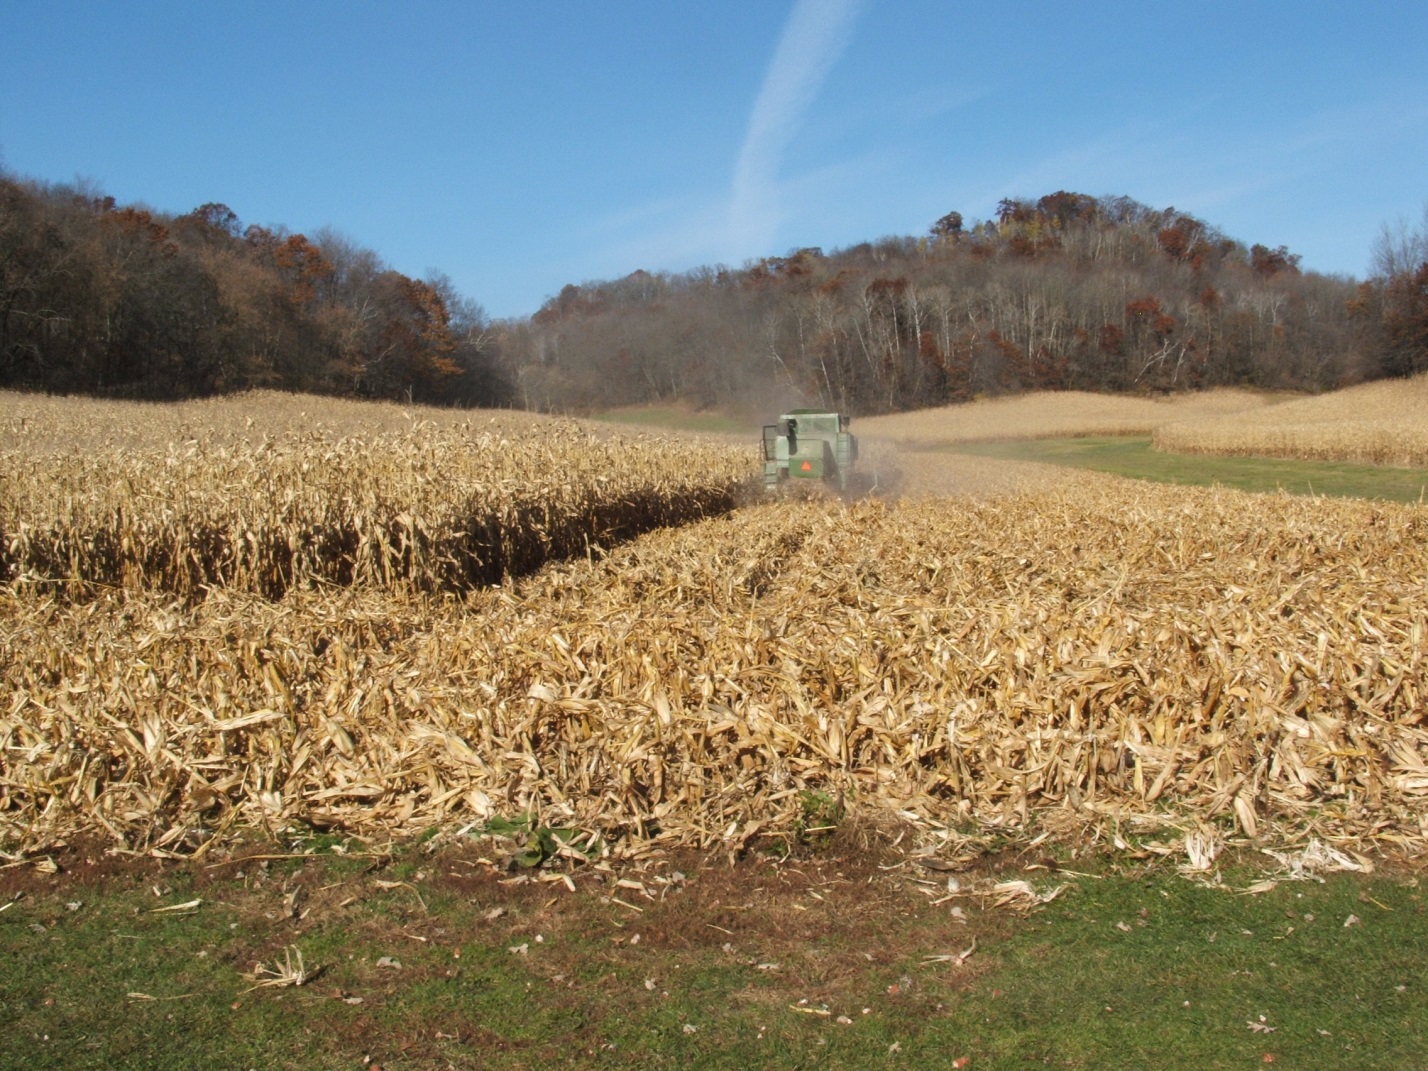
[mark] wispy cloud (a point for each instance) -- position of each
(672, 233)
(813, 38)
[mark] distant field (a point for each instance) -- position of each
(1057, 414)
(1047, 414)
(1349, 435)
(41, 424)
(1384, 423)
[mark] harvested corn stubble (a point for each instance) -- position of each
(1114, 656)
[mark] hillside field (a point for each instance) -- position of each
(1058, 414)
(1381, 423)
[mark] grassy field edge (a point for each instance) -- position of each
(416, 958)
(1135, 457)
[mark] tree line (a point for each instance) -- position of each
(1067, 291)
(122, 301)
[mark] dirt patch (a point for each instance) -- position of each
(82, 863)
(677, 901)
(908, 472)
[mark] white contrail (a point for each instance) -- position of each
(815, 35)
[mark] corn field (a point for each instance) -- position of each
(1056, 414)
(429, 508)
(1103, 660)
(49, 425)
(1383, 423)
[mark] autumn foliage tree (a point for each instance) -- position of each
(412, 348)
(125, 301)
(1405, 323)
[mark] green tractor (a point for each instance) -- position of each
(809, 444)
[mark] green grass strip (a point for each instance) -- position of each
(1125, 970)
(1132, 456)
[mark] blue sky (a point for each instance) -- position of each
(519, 147)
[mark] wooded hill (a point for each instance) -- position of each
(1065, 292)
(118, 301)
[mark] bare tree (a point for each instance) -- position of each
(1400, 247)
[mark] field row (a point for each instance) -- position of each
(45, 425)
(1111, 660)
(428, 508)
